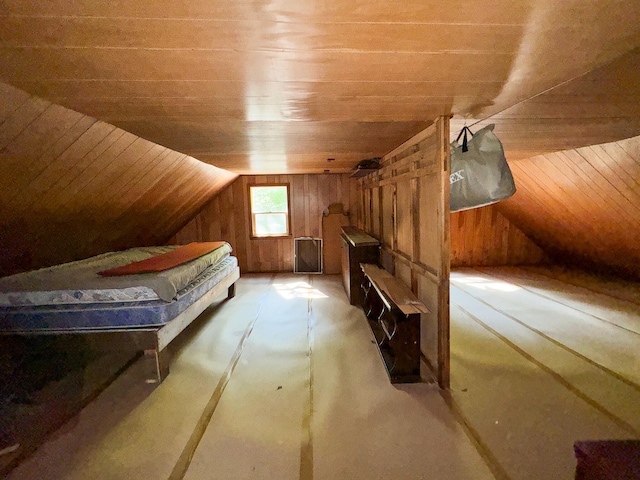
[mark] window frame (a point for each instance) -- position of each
(252, 226)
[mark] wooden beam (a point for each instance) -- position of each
(444, 369)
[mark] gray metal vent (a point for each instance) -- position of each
(308, 255)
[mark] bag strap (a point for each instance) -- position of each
(464, 131)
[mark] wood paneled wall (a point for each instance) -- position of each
(72, 186)
(226, 217)
(405, 204)
(583, 205)
(485, 237)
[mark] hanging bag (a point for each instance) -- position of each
(479, 172)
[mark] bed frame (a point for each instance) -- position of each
(153, 340)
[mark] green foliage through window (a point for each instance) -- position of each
(269, 199)
(269, 210)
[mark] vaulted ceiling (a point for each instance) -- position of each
(281, 86)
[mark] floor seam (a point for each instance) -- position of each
(306, 444)
(556, 376)
(593, 363)
(557, 301)
(497, 470)
(184, 460)
(578, 285)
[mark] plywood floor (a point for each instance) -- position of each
(284, 382)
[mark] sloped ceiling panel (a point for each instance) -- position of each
(582, 205)
(600, 106)
(72, 186)
(280, 86)
(484, 237)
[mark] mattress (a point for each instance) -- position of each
(105, 315)
(79, 282)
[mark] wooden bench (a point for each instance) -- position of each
(394, 317)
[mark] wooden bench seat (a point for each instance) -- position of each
(393, 291)
(394, 312)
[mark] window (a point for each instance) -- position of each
(269, 210)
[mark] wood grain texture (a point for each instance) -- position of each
(582, 206)
(409, 212)
(393, 290)
(331, 244)
(485, 237)
(275, 87)
(443, 154)
(72, 186)
(226, 217)
(595, 106)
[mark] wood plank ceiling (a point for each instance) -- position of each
(582, 205)
(280, 86)
(72, 186)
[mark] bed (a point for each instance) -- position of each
(145, 295)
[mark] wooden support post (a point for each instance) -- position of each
(444, 369)
(412, 215)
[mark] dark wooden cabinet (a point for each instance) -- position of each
(357, 248)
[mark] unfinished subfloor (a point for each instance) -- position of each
(284, 382)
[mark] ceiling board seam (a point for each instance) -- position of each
(43, 192)
(214, 80)
(493, 53)
(44, 154)
(143, 184)
(101, 146)
(134, 180)
(597, 190)
(576, 77)
(611, 193)
(557, 195)
(630, 190)
(6, 142)
(124, 189)
(622, 159)
(633, 155)
(13, 112)
(122, 162)
(303, 22)
(570, 189)
(102, 162)
(55, 185)
(531, 188)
